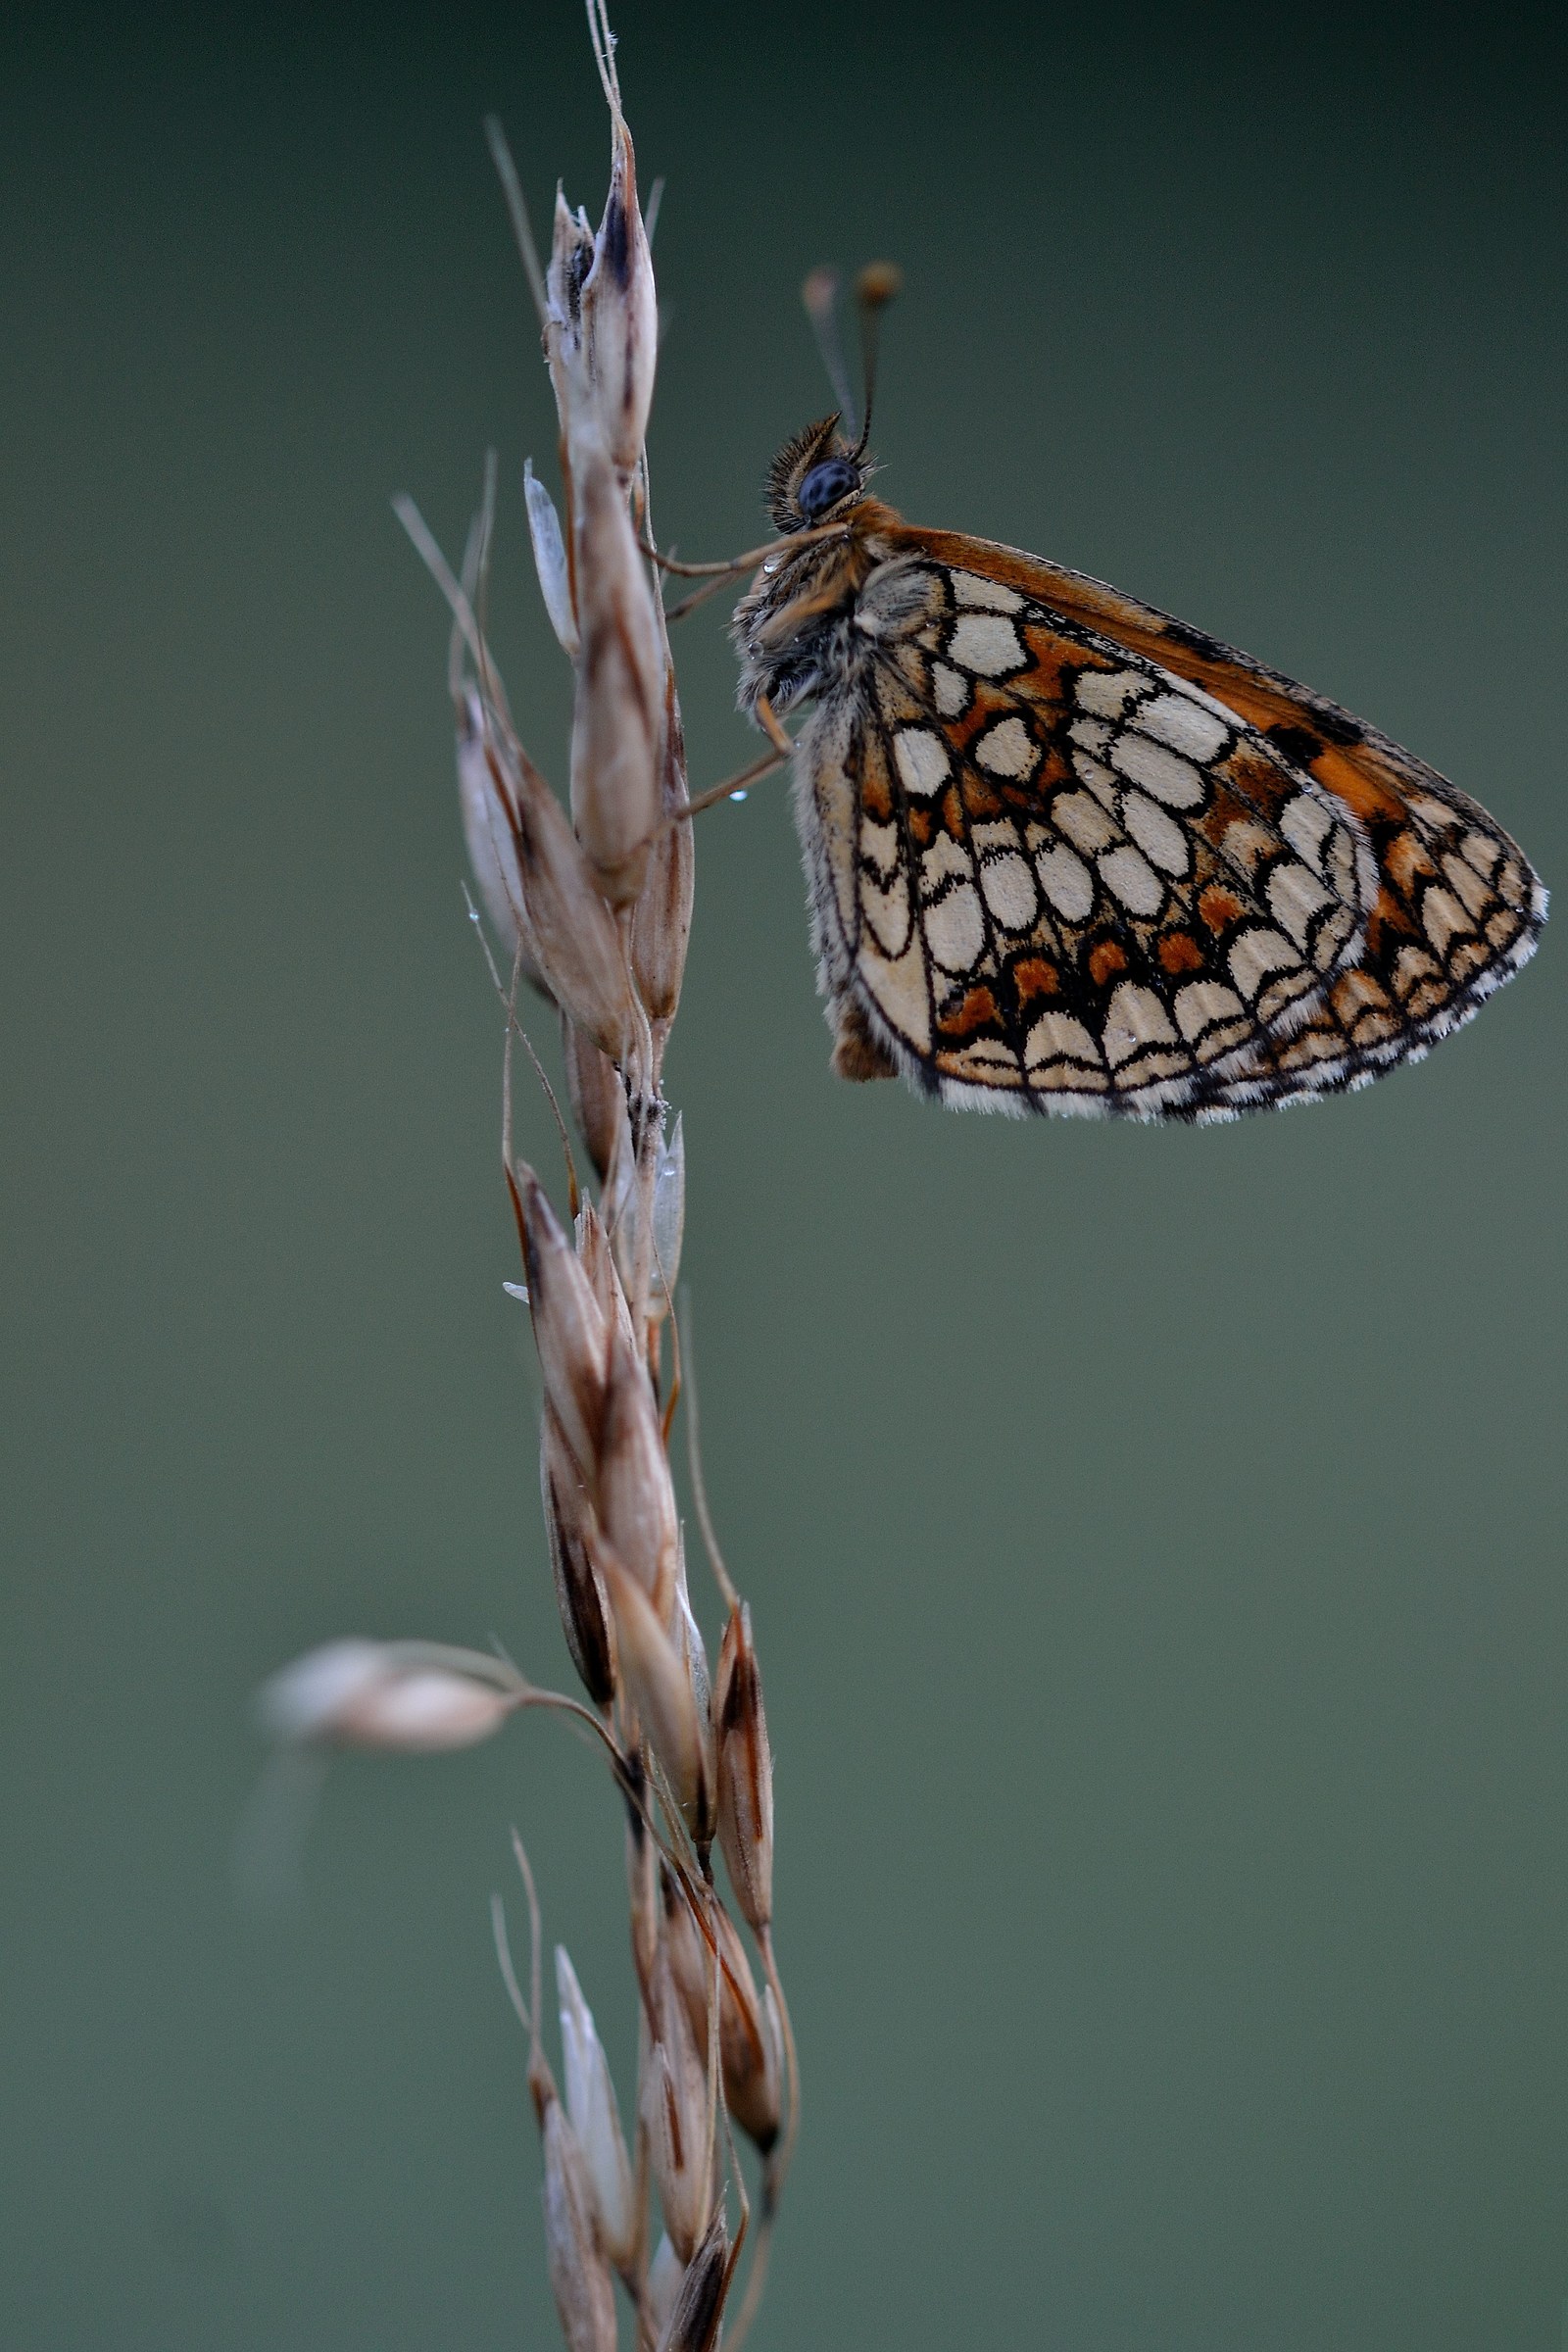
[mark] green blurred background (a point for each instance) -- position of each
(1155, 1538)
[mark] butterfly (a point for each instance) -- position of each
(1068, 854)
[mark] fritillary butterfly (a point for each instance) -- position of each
(1068, 854)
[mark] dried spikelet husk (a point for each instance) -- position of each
(572, 257)
(635, 1492)
(699, 2309)
(675, 2114)
(703, 1820)
(574, 1534)
(550, 559)
(570, 934)
(662, 921)
(579, 2275)
(665, 2273)
(623, 1201)
(619, 719)
(657, 1679)
(747, 2043)
(595, 2118)
(620, 311)
(598, 1260)
(568, 1325)
(597, 1096)
(357, 1694)
(745, 1772)
(489, 838)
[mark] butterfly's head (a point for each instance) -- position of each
(815, 478)
(820, 475)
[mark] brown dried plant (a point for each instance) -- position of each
(594, 913)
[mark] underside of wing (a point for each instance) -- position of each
(1456, 910)
(1047, 874)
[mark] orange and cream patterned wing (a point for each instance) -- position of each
(1048, 873)
(1456, 908)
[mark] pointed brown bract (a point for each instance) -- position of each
(636, 1499)
(745, 1773)
(747, 2041)
(675, 2111)
(573, 1532)
(662, 921)
(618, 730)
(569, 1325)
(597, 1095)
(698, 2310)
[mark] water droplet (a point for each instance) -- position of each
(737, 795)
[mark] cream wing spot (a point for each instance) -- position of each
(1010, 892)
(1204, 1002)
(886, 914)
(987, 644)
(1007, 750)
(1134, 1018)
(1066, 882)
(880, 845)
(1105, 693)
(955, 931)
(950, 689)
(989, 595)
(1163, 772)
(1257, 954)
(945, 860)
(1306, 823)
(1296, 899)
(1057, 1037)
(1082, 821)
(1159, 837)
(922, 759)
(1183, 725)
(1129, 876)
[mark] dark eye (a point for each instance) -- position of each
(824, 485)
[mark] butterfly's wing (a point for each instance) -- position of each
(1456, 908)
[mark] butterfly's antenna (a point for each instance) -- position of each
(820, 295)
(874, 288)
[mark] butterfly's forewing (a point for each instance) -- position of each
(1052, 874)
(1447, 907)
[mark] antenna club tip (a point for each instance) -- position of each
(878, 283)
(818, 291)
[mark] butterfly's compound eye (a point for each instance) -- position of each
(824, 485)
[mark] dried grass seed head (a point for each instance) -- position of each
(386, 1695)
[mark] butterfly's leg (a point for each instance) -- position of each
(783, 748)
